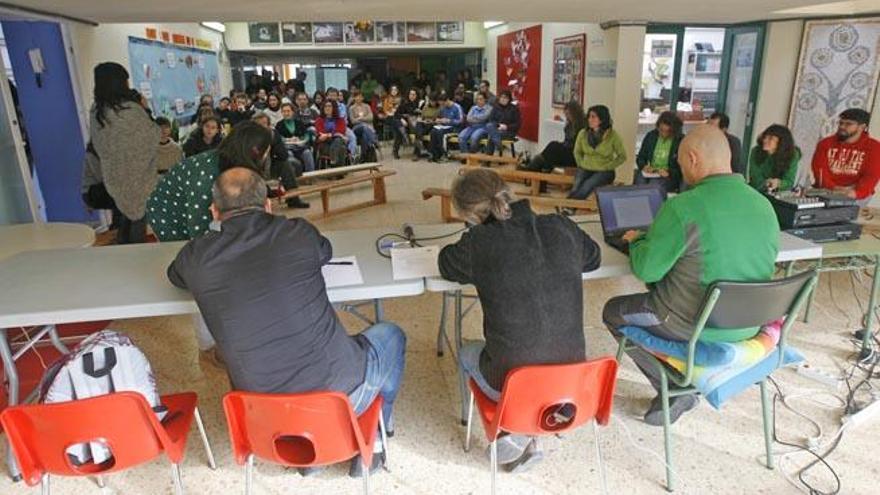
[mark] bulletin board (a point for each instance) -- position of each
(172, 78)
(568, 69)
(519, 70)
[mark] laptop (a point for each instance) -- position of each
(623, 208)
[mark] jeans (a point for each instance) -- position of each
(469, 360)
(495, 137)
(352, 141)
(365, 135)
(385, 363)
(305, 156)
(585, 181)
(469, 138)
(668, 183)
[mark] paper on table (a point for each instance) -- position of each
(415, 262)
(342, 275)
(650, 175)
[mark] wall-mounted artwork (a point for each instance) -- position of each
(261, 33)
(838, 69)
(568, 69)
(519, 70)
(360, 32)
(421, 32)
(450, 32)
(390, 32)
(296, 32)
(327, 32)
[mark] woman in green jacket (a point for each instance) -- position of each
(598, 150)
(773, 162)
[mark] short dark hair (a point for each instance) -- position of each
(244, 146)
(238, 188)
(723, 119)
(671, 119)
(163, 122)
(486, 82)
(857, 115)
(225, 98)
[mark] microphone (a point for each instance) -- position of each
(409, 234)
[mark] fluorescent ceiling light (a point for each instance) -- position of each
(216, 26)
(491, 24)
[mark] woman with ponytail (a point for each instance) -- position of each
(527, 270)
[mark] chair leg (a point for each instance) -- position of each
(493, 458)
(175, 476)
(621, 348)
(99, 479)
(44, 485)
(667, 431)
(366, 478)
(205, 441)
(441, 332)
(768, 424)
(384, 434)
(470, 422)
(249, 474)
(599, 457)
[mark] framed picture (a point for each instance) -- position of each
(390, 32)
(360, 32)
(327, 32)
(519, 70)
(296, 32)
(839, 68)
(662, 48)
(263, 33)
(450, 32)
(421, 32)
(569, 55)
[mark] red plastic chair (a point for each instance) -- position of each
(301, 430)
(40, 433)
(532, 394)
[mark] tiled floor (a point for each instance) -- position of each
(715, 451)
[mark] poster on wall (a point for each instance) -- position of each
(839, 68)
(296, 32)
(172, 78)
(568, 69)
(263, 33)
(519, 70)
(390, 32)
(359, 32)
(327, 32)
(421, 32)
(450, 32)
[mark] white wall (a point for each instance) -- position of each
(237, 39)
(109, 43)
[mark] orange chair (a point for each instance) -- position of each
(544, 400)
(40, 433)
(301, 430)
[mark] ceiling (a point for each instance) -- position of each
(705, 11)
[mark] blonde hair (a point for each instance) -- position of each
(479, 194)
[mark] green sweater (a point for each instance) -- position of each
(609, 155)
(179, 208)
(721, 229)
(761, 171)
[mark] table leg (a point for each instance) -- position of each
(812, 296)
(377, 306)
(12, 395)
(872, 303)
(462, 381)
(441, 332)
(789, 269)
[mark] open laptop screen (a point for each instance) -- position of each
(628, 207)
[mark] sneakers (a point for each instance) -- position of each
(677, 407)
(510, 448)
(357, 465)
(530, 457)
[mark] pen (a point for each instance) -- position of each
(340, 263)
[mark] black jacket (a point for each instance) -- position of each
(195, 145)
(408, 108)
(259, 286)
(508, 115)
(737, 164)
(571, 132)
(299, 129)
(528, 273)
(646, 154)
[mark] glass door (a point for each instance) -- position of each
(741, 76)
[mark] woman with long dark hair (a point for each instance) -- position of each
(561, 154)
(657, 160)
(206, 137)
(773, 162)
(330, 129)
(598, 151)
(127, 140)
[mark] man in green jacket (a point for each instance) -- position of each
(720, 229)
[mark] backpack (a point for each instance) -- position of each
(103, 363)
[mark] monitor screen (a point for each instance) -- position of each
(625, 208)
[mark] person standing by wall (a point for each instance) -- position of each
(127, 140)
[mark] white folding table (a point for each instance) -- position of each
(25, 237)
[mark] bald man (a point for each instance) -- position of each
(720, 229)
(259, 286)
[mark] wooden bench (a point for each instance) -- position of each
(337, 171)
(535, 179)
(446, 214)
(482, 159)
(376, 176)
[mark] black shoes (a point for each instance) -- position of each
(677, 406)
(357, 465)
(297, 203)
